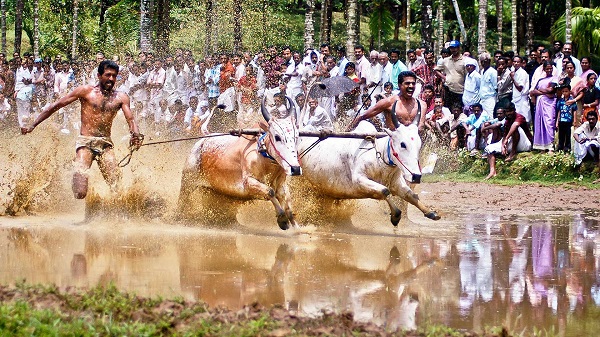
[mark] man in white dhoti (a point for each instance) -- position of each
(586, 139)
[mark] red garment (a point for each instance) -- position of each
(248, 88)
(225, 80)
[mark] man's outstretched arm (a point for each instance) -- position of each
(64, 101)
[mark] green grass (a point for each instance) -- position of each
(27, 310)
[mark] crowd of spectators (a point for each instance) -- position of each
(490, 105)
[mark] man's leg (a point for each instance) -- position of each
(492, 162)
(513, 144)
(83, 161)
(110, 170)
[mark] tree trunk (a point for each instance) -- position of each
(326, 17)
(397, 19)
(163, 13)
(357, 23)
(36, 28)
(264, 22)
(530, 29)
(351, 28)
(499, 17)
(513, 12)
(407, 25)
(18, 24)
(461, 24)
(145, 26)
(208, 28)
(426, 26)
(215, 26)
(482, 30)
(3, 24)
(237, 26)
(309, 25)
(440, 28)
(74, 38)
(568, 21)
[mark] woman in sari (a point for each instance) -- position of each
(544, 121)
(577, 86)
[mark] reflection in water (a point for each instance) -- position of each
(520, 273)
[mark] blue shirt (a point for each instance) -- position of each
(565, 111)
(213, 73)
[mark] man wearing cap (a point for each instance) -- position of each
(452, 71)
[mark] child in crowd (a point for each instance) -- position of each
(564, 117)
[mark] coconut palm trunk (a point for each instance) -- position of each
(482, 29)
(237, 26)
(36, 28)
(440, 28)
(530, 31)
(426, 26)
(75, 23)
(461, 24)
(309, 25)
(3, 24)
(326, 17)
(568, 14)
(407, 25)
(513, 12)
(145, 26)
(18, 24)
(352, 39)
(499, 16)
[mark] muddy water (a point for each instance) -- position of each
(466, 271)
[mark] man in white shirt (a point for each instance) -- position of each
(520, 96)
(155, 84)
(24, 91)
(372, 75)
(362, 63)
(386, 69)
(316, 118)
(472, 84)
(567, 50)
(489, 84)
(586, 139)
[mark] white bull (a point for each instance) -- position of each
(344, 168)
(248, 167)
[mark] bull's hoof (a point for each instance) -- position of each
(432, 215)
(395, 218)
(282, 221)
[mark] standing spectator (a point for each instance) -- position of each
(577, 85)
(586, 64)
(49, 82)
(472, 84)
(212, 76)
(397, 68)
(39, 83)
(590, 99)
(545, 112)
(413, 60)
(567, 50)
(520, 93)
(425, 72)
(155, 84)
(557, 54)
(24, 92)
(372, 75)
(452, 70)
(565, 109)
(504, 82)
(489, 84)
(386, 68)
(361, 63)
(248, 110)
(342, 60)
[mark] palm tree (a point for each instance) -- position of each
(18, 24)
(162, 19)
(326, 17)
(482, 30)
(145, 25)
(585, 29)
(3, 24)
(36, 28)
(568, 20)
(74, 39)
(309, 25)
(530, 29)
(461, 24)
(513, 10)
(426, 26)
(407, 25)
(352, 39)
(380, 21)
(237, 26)
(499, 16)
(440, 29)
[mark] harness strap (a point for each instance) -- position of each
(261, 147)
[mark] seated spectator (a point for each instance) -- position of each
(492, 130)
(437, 120)
(472, 125)
(586, 139)
(4, 107)
(455, 133)
(516, 138)
(428, 96)
(316, 118)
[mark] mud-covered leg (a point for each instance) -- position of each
(283, 196)
(410, 196)
(395, 212)
(83, 161)
(263, 191)
(380, 192)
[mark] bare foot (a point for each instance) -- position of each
(492, 175)
(510, 158)
(596, 181)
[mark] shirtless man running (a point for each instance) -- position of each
(99, 106)
(409, 110)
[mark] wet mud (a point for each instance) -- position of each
(522, 257)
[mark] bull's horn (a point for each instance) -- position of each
(395, 119)
(292, 105)
(265, 112)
